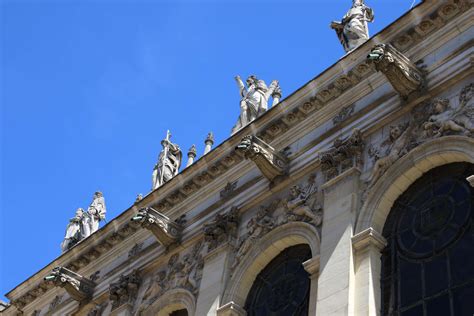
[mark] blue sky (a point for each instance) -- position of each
(89, 88)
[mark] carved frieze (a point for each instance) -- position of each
(78, 287)
(404, 76)
(343, 114)
(166, 231)
(302, 204)
(343, 155)
(183, 271)
(125, 290)
(271, 163)
(222, 228)
(228, 189)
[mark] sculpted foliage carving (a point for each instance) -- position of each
(271, 163)
(222, 228)
(182, 271)
(301, 204)
(405, 77)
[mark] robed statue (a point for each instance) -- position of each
(83, 224)
(168, 163)
(254, 99)
(353, 30)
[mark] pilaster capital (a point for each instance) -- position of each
(231, 309)
(312, 266)
(368, 238)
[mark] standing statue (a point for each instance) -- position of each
(168, 162)
(254, 100)
(84, 223)
(353, 30)
(73, 231)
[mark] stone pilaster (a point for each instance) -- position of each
(312, 267)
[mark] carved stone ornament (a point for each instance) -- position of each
(221, 229)
(228, 189)
(182, 271)
(404, 76)
(55, 303)
(165, 230)
(343, 114)
(301, 205)
(343, 155)
(428, 120)
(125, 290)
(78, 287)
(271, 163)
(97, 310)
(168, 163)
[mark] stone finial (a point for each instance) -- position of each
(209, 142)
(168, 163)
(353, 31)
(254, 99)
(166, 231)
(79, 288)
(192, 153)
(271, 163)
(404, 76)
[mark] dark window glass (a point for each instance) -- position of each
(428, 264)
(282, 287)
(181, 312)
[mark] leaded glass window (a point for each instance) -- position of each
(428, 264)
(282, 287)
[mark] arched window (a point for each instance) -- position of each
(282, 287)
(428, 264)
(181, 312)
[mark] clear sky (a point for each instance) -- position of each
(89, 88)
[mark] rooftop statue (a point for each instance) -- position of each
(254, 100)
(352, 30)
(83, 224)
(168, 163)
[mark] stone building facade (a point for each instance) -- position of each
(352, 196)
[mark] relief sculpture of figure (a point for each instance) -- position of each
(168, 162)
(353, 30)
(254, 100)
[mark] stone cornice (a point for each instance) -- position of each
(304, 103)
(368, 238)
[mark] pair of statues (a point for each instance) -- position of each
(84, 223)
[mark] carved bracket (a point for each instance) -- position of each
(166, 231)
(405, 77)
(271, 163)
(79, 288)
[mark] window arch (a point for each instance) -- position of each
(282, 287)
(428, 264)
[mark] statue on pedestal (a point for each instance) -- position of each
(168, 162)
(353, 30)
(254, 100)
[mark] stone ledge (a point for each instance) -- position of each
(368, 238)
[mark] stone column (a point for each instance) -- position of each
(208, 142)
(191, 155)
(312, 267)
(367, 246)
(336, 277)
(214, 278)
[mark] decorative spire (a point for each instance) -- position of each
(191, 155)
(209, 142)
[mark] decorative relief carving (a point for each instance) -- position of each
(97, 310)
(343, 114)
(135, 250)
(228, 189)
(181, 272)
(77, 286)
(221, 229)
(166, 231)
(271, 163)
(125, 290)
(301, 205)
(55, 303)
(404, 76)
(343, 155)
(427, 121)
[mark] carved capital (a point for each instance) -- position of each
(79, 288)
(312, 266)
(368, 238)
(344, 155)
(271, 163)
(231, 309)
(221, 229)
(166, 231)
(401, 72)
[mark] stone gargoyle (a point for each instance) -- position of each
(404, 76)
(79, 288)
(271, 163)
(165, 230)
